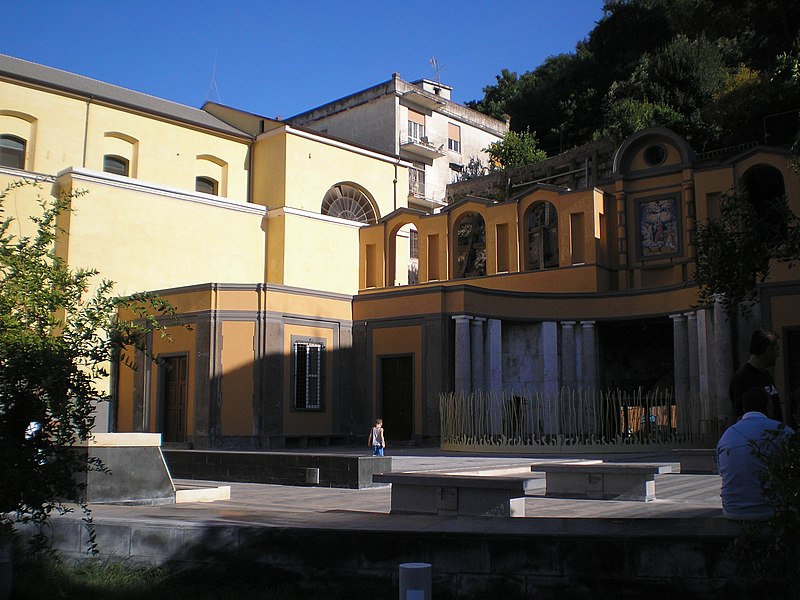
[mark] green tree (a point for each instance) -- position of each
(734, 252)
(768, 553)
(496, 97)
(57, 340)
(515, 150)
(627, 116)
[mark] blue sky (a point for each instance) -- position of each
(279, 58)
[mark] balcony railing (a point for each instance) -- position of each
(428, 146)
(427, 195)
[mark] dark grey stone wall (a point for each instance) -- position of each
(335, 470)
(691, 563)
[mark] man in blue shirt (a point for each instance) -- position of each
(739, 465)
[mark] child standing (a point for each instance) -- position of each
(376, 439)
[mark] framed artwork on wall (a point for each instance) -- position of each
(658, 227)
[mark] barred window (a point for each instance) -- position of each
(308, 358)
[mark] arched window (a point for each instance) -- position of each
(542, 237)
(470, 248)
(765, 189)
(12, 151)
(116, 165)
(347, 202)
(206, 185)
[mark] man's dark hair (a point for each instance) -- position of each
(755, 398)
(761, 340)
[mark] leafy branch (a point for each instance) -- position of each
(57, 340)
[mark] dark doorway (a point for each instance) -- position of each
(636, 354)
(397, 395)
(174, 397)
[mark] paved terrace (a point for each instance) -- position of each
(679, 537)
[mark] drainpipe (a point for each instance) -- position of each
(86, 130)
(394, 181)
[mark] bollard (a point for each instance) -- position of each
(312, 476)
(415, 581)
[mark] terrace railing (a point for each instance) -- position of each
(575, 421)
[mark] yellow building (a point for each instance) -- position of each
(319, 300)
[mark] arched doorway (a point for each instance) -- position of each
(541, 223)
(470, 246)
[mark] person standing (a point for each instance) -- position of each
(739, 461)
(376, 438)
(764, 350)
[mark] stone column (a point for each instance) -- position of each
(568, 355)
(681, 361)
(589, 383)
(493, 357)
(548, 345)
(589, 356)
(723, 342)
(694, 400)
(476, 353)
(463, 374)
(570, 400)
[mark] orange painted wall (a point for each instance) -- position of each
(388, 341)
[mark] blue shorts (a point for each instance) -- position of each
(377, 451)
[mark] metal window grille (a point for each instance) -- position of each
(308, 375)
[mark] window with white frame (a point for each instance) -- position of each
(307, 373)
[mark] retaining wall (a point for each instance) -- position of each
(282, 468)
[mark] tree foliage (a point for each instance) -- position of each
(768, 553)
(701, 67)
(57, 340)
(514, 150)
(735, 251)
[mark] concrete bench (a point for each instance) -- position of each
(697, 460)
(448, 494)
(605, 481)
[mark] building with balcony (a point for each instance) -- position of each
(418, 121)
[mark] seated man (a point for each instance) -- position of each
(738, 461)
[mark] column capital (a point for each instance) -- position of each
(568, 323)
(461, 317)
(677, 318)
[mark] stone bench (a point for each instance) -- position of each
(450, 494)
(697, 460)
(605, 481)
(353, 471)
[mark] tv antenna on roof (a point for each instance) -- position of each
(212, 87)
(437, 69)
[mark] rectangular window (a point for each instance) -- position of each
(416, 126)
(453, 138)
(413, 242)
(416, 180)
(308, 358)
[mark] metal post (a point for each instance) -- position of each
(415, 581)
